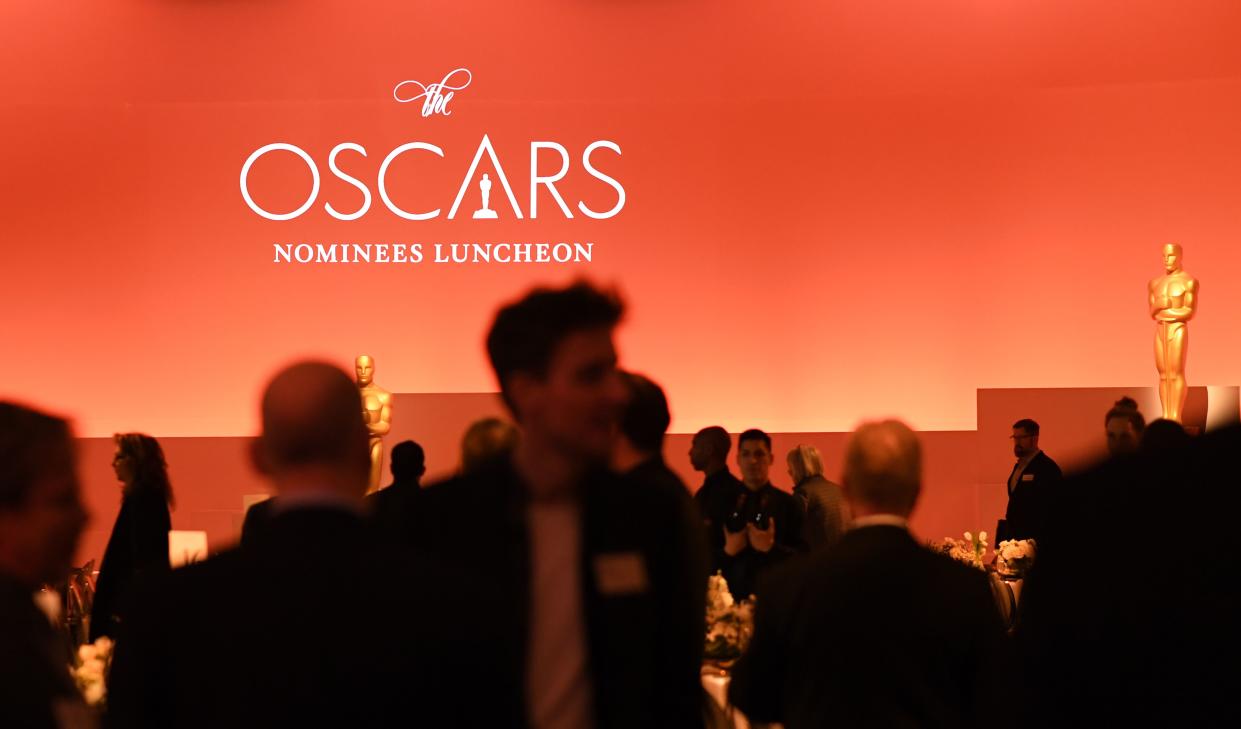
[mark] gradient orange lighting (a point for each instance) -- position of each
(833, 210)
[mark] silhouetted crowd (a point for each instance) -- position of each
(559, 580)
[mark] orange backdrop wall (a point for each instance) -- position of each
(833, 210)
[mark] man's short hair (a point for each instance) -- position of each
(883, 466)
(409, 461)
(1027, 425)
(29, 440)
(646, 417)
(717, 439)
(525, 334)
(1127, 408)
(754, 434)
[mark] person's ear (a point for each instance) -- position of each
(523, 390)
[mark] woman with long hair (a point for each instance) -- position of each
(139, 541)
(827, 514)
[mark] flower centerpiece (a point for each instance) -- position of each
(729, 623)
(91, 671)
(1015, 557)
(969, 551)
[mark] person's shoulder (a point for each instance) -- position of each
(387, 496)
(1047, 463)
(780, 495)
(495, 476)
(487, 493)
(653, 475)
(818, 486)
(951, 579)
(166, 594)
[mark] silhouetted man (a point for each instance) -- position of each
(1030, 484)
(393, 506)
(41, 518)
(596, 576)
(717, 496)
(318, 623)
(764, 526)
(877, 631)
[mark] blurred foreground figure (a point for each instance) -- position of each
(597, 578)
(41, 518)
(877, 631)
(318, 623)
(1129, 616)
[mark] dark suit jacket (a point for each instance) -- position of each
(827, 514)
(1029, 502)
(1129, 616)
(317, 624)
(138, 545)
(393, 508)
(33, 662)
(877, 632)
(743, 569)
(645, 648)
(715, 501)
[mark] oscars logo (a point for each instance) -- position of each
(485, 212)
(434, 98)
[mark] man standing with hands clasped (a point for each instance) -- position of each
(765, 524)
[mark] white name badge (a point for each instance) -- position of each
(1027, 477)
(621, 573)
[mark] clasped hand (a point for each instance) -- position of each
(760, 539)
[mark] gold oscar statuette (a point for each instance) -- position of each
(376, 411)
(1173, 302)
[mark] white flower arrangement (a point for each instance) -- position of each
(729, 623)
(1015, 557)
(969, 551)
(91, 672)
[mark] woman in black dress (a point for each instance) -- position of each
(139, 541)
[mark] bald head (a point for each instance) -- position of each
(709, 449)
(312, 417)
(883, 468)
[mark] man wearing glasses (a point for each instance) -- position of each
(1029, 485)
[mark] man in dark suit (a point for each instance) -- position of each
(392, 507)
(597, 577)
(316, 623)
(879, 631)
(764, 525)
(1030, 485)
(717, 496)
(41, 519)
(638, 451)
